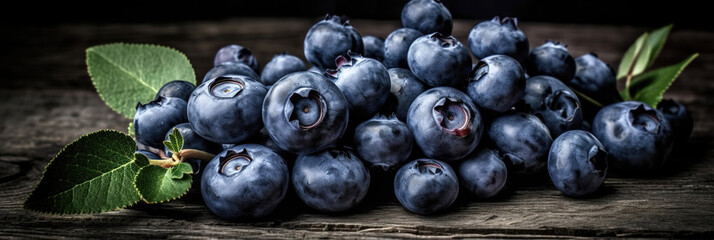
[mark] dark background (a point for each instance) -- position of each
(683, 13)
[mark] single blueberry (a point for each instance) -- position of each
(427, 16)
(153, 120)
(426, 186)
(483, 173)
(332, 180)
(236, 54)
(384, 142)
(497, 83)
(445, 123)
(396, 47)
(524, 141)
(364, 83)
(330, 38)
(499, 36)
(279, 66)
(577, 163)
(244, 182)
(552, 59)
(304, 112)
(438, 60)
(637, 137)
(227, 109)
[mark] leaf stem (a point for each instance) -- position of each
(628, 80)
(164, 163)
(195, 154)
(586, 98)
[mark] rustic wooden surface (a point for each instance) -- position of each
(47, 100)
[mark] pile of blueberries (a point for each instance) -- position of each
(413, 106)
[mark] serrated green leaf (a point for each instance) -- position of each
(95, 173)
(650, 87)
(125, 74)
(627, 63)
(175, 143)
(655, 42)
(156, 184)
(130, 129)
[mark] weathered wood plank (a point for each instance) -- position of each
(47, 101)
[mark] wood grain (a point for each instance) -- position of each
(47, 100)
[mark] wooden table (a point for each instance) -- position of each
(47, 100)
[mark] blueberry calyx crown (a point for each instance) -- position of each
(563, 103)
(159, 100)
(337, 19)
(453, 117)
(305, 109)
(444, 41)
(480, 71)
(644, 119)
(598, 157)
(234, 162)
(508, 21)
(342, 62)
(556, 44)
(429, 167)
(226, 87)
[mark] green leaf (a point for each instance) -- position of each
(125, 74)
(627, 64)
(95, 173)
(650, 87)
(156, 184)
(655, 42)
(175, 143)
(130, 129)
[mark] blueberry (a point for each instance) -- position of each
(554, 103)
(230, 68)
(497, 83)
(439, 61)
(445, 123)
(426, 186)
(316, 70)
(552, 59)
(304, 112)
(236, 54)
(483, 173)
(153, 120)
(177, 88)
(427, 16)
(679, 119)
(332, 180)
(279, 66)
(405, 87)
(246, 181)
(227, 109)
(384, 142)
(524, 141)
(191, 140)
(364, 82)
(373, 47)
(148, 154)
(396, 47)
(594, 78)
(499, 36)
(577, 163)
(330, 38)
(637, 137)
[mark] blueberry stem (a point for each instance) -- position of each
(586, 98)
(195, 154)
(164, 163)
